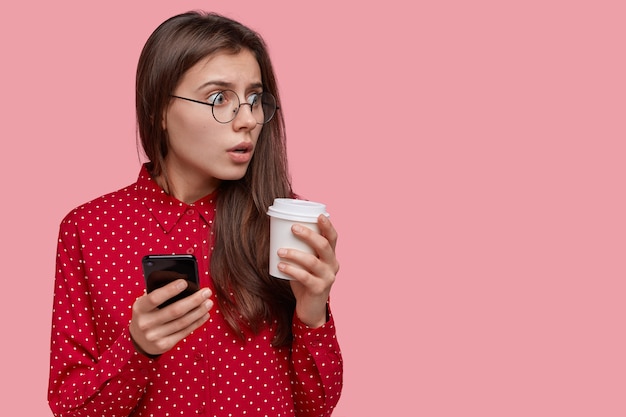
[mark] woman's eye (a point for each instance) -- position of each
(254, 99)
(217, 98)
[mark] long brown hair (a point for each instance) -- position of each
(248, 296)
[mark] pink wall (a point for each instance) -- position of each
(471, 155)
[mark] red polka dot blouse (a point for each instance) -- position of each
(96, 371)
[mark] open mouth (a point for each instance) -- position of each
(241, 153)
(241, 148)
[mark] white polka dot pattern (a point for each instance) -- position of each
(94, 368)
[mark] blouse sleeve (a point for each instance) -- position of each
(317, 368)
(85, 379)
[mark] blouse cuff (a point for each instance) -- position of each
(122, 357)
(302, 331)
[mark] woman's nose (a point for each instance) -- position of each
(244, 117)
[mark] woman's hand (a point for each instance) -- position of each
(313, 274)
(155, 331)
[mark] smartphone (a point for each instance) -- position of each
(159, 270)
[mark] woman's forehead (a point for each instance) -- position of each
(224, 68)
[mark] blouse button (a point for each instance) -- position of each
(190, 251)
(200, 410)
(190, 211)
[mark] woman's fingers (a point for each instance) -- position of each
(160, 295)
(155, 330)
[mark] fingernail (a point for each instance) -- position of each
(282, 252)
(206, 293)
(208, 304)
(297, 228)
(181, 285)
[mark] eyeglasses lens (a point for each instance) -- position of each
(226, 105)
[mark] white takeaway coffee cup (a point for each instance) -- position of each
(284, 213)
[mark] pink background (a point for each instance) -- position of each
(471, 154)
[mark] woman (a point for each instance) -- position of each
(246, 343)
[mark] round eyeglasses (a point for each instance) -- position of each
(225, 105)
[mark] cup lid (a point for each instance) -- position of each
(296, 210)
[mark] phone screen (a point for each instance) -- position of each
(159, 270)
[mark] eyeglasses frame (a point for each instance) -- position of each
(212, 105)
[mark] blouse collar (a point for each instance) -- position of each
(166, 209)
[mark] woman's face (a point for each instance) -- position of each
(201, 151)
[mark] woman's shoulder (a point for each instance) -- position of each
(103, 205)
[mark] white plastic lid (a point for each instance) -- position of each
(296, 210)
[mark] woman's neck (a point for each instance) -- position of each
(184, 190)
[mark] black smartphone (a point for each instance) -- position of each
(159, 270)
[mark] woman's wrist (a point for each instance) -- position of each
(140, 350)
(313, 316)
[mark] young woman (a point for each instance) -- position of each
(245, 344)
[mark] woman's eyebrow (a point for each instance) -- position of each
(215, 83)
(227, 85)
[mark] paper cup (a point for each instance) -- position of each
(284, 213)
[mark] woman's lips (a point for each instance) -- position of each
(241, 153)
